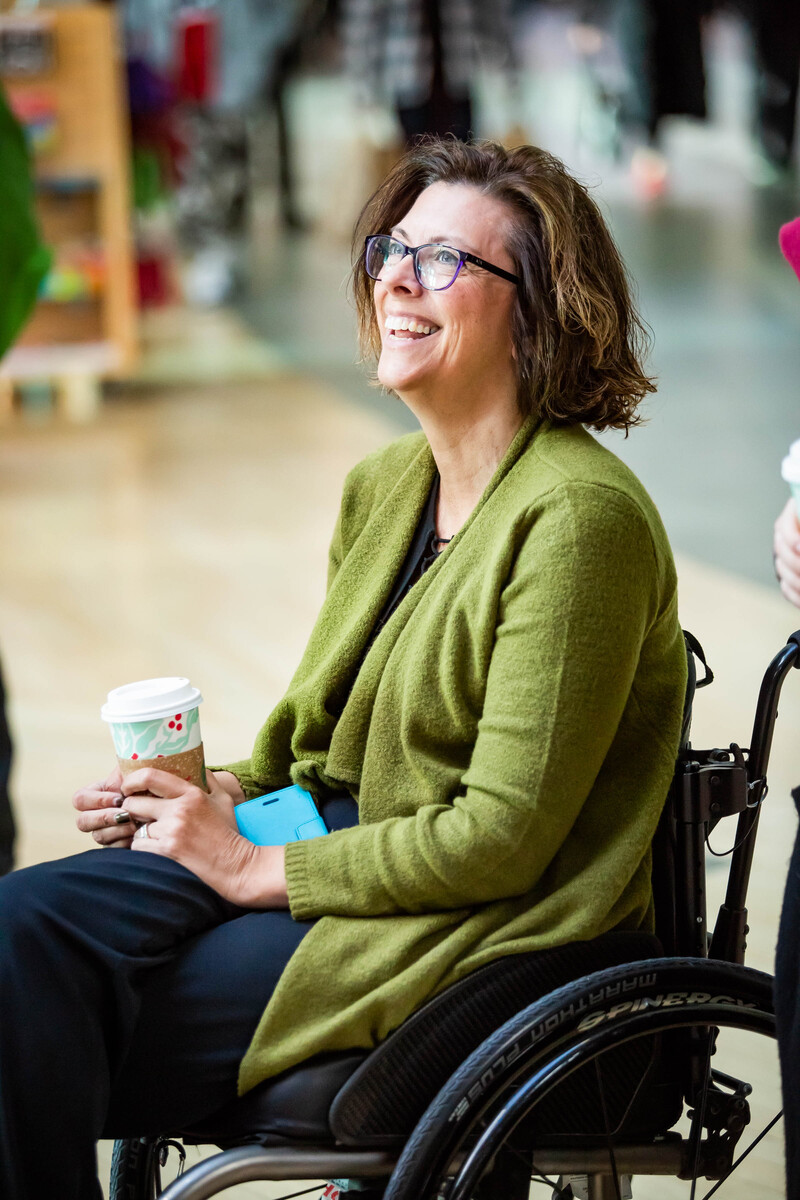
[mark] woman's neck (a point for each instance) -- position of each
(467, 452)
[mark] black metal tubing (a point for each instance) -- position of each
(728, 942)
(712, 1014)
(690, 883)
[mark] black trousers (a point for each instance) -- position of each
(787, 1013)
(129, 992)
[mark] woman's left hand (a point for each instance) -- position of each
(198, 830)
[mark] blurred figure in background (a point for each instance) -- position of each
(23, 264)
(776, 32)
(648, 62)
(421, 56)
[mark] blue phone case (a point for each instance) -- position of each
(288, 815)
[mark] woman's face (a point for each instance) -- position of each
(470, 344)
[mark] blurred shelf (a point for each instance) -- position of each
(82, 193)
(99, 358)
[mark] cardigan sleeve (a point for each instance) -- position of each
(572, 619)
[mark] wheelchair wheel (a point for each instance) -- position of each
(658, 1079)
(136, 1167)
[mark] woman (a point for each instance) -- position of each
(496, 678)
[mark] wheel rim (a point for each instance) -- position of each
(692, 1154)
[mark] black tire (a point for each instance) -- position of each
(133, 1169)
(506, 1101)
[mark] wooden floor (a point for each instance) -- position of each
(185, 532)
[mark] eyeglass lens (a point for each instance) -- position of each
(436, 266)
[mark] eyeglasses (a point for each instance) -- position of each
(436, 266)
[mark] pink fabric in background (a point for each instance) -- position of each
(789, 238)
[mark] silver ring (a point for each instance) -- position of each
(121, 817)
(142, 831)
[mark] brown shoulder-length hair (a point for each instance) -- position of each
(578, 339)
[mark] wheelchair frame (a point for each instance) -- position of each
(463, 1137)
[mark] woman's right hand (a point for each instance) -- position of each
(99, 809)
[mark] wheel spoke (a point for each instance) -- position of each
(699, 1115)
(536, 1176)
(609, 1139)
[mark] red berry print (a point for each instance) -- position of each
(180, 727)
(134, 756)
(177, 716)
(159, 756)
(172, 724)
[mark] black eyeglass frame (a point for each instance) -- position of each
(463, 257)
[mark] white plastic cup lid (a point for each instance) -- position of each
(790, 467)
(150, 699)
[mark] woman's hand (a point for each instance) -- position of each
(198, 830)
(786, 547)
(100, 811)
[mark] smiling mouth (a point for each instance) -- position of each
(409, 328)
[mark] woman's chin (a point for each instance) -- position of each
(401, 376)
(394, 380)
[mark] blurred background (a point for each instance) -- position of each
(179, 411)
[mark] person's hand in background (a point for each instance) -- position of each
(786, 549)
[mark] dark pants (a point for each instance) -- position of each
(787, 1012)
(129, 992)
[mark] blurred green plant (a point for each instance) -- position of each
(24, 260)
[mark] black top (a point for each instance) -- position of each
(422, 553)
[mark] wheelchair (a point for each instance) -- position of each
(594, 1071)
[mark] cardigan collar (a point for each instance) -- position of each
(363, 585)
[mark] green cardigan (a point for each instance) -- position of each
(510, 736)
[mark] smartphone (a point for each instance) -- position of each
(288, 815)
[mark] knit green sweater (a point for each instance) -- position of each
(510, 736)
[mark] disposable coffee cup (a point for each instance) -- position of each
(790, 470)
(155, 723)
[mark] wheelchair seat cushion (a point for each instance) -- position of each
(375, 1098)
(293, 1106)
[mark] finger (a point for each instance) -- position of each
(788, 524)
(787, 570)
(787, 535)
(149, 844)
(791, 593)
(791, 515)
(88, 798)
(156, 783)
(119, 836)
(105, 818)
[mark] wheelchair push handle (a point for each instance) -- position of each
(767, 707)
(730, 931)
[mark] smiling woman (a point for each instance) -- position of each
(487, 712)
(577, 338)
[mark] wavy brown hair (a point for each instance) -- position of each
(578, 339)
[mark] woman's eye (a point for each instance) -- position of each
(446, 258)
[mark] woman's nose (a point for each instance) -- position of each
(401, 276)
